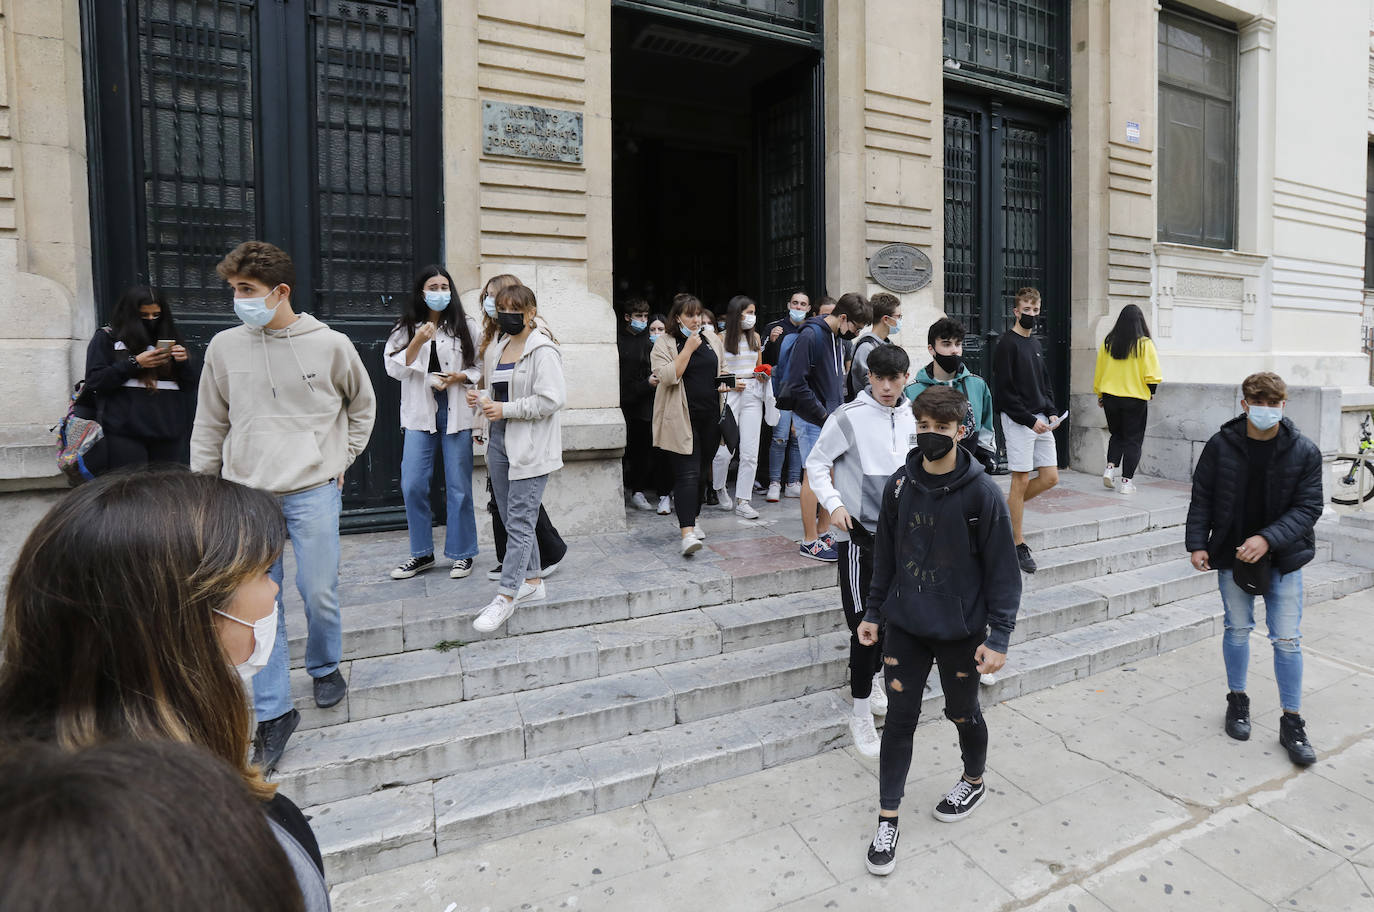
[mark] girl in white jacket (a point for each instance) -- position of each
(432, 350)
(523, 391)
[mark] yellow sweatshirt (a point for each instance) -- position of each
(1128, 377)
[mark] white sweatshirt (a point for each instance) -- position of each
(861, 444)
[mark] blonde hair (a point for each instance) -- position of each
(494, 286)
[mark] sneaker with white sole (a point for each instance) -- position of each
(550, 570)
(690, 544)
(640, 502)
(461, 568)
(818, 551)
(792, 490)
(531, 592)
(699, 532)
(866, 740)
(1126, 486)
(413, 566)
(1109, 477)
(877, 700)
(960, 801)
(494, 573)
(774, 492)
(882, 851)
(745, 510)
(724, 500)
(665, 505)
(497, 612)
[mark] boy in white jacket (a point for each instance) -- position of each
(285, 405)
(861, 444)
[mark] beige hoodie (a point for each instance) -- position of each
(283, 410)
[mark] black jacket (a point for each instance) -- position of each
(1293, 497)
(636, 395)
(771, 350)
(944, 563)
(136, 411)
(814, 385)
(1021, 379)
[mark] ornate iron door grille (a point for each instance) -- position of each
(963, 251)
(1010, 42)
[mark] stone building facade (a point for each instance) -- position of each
(891, 83)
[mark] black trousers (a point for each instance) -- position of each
(552, 548)
(646, 468)
(906, 665)
(116, 451)
(1126, 418)
(855, 570)
(690, 468)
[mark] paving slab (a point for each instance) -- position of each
(1168, 879)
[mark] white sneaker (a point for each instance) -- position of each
(699, 532)
(726, 501)
(792, 490)
(1126, 486)
(746, 510)
(866, 739)
(774, 492)
(531, 592)
(665, 505)
(497, 612)
(690, 544)
(640, 501)
(877, 700)
(1109, 477)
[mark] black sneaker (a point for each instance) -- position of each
(882, 852)
(1293, 738)
(413, 566)
(494, 573)
(711, 499)
(960, 801)
(270, 742)
(1024, 558)
(1238, 716)
(461, 568)
(330, 689)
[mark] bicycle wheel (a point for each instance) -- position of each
(1351, 482)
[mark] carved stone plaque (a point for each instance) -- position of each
(528, 131)
(900, 268)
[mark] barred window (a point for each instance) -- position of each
(1197, 131)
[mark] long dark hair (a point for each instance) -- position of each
(127, 326)
(1130, 328)
(453, 319)
(733, 331)
(122, 643)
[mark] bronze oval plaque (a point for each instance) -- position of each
(900, 268)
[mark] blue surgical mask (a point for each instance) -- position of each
(437, 301)
(654, 337)
(639, 325)
(797, 316)
(254, 311)
(688, 332)
(1263, 417)
(895, 328)
(489, 306)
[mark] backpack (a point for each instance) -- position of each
(75, 438)
(850, 391)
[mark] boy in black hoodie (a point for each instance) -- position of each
(947, 586)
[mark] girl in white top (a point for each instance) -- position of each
(432, 350)
(743, 358)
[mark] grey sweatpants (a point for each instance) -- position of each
(517, 500)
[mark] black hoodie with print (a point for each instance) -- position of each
(944, 563)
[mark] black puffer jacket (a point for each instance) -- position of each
(1293, 497)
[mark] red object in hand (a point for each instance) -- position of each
(764, 369)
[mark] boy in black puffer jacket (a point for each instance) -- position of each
(1257, 494)
(947, 585)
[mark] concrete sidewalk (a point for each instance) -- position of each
(1118, 792)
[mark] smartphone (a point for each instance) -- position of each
(164, 344)
(725, 379)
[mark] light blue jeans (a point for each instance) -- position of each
(417, 470)
(312, 524)
(1283, 617)
(784, 443)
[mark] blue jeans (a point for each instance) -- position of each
(1282, 615)
(417, 469)
(312, 524)
(807, 435)
(784, 442)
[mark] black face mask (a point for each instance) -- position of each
(949, 363)
(512, 324)
(150, 325)
(849, 334)
(1026, 320)
(934, 445)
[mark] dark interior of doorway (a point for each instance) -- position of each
(687, 164)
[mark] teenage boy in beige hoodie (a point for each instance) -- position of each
(285, 405)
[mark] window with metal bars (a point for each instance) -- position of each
(1197, 131)
(793, 15)
(1014, 41)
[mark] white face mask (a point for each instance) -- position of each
(747, 321)
(264, 638)
(489, 306)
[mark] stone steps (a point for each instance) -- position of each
(506, 793)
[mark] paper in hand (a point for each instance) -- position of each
(1058, 420)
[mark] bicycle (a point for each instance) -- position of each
(1353, 479)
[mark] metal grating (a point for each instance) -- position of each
(195, 77)
(786, 134)
(1018, 41)
(695, 46)
(962, 165)
(798, 15)
(1023, 209)
(362, 67)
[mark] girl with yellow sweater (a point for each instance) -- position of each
(1125, 380)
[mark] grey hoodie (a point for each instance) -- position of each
(283, 410)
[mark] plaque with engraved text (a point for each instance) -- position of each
(900, 268)
(529, 131)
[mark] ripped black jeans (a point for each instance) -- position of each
(906, 665)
